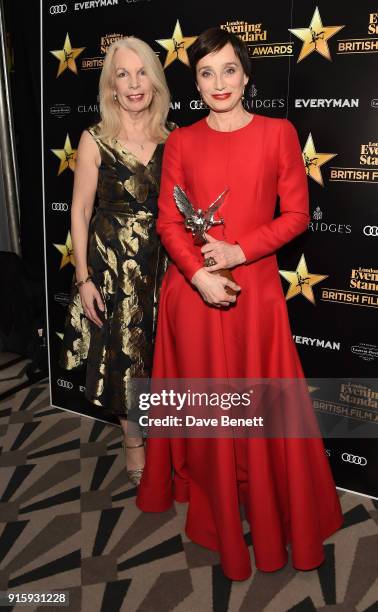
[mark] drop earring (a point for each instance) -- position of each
(114, 97)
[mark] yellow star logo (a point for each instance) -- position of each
(60, 335)
(176, 46)
(302, 281)
(315, 37)
(314, 160)
(67, 156)
(67, 252)
(67, 57)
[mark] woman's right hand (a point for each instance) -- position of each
(212, 288)
(90, 295)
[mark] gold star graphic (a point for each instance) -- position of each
(315, 37)
(60, 335)
(314, 160)
(67, 56)
(176, 46)
(67, 252)
(302, 281)
(67, 156)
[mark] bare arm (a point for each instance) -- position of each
(84, 191)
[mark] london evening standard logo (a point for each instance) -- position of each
(362, 291)
(353, 400)
(255, 37)
(96, 62)
(362, 45)
(366, 172)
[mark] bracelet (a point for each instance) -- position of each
(82, 282)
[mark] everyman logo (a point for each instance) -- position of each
(92, 4)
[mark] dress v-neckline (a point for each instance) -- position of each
(128, 152)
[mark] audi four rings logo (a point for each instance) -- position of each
(197, 105)
(58, 9)
(66, 384)
(59, 206)
(371, 230)
(354, 459)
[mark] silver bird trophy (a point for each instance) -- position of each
(199, 221)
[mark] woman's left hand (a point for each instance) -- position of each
(225, 254)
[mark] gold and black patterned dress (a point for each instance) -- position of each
(127, 263)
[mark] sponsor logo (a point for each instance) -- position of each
(367, 352)
(373, 23)
(175, 105)
(67, 156)
(368, 156)
(327, 103)
(374, 103)
(317, 225)
(62, 206)
(60, 110)
(93, 4)
(364, 281)
(315, 37)
(67, 56)
(327, 452)
(66, 251)
(252, 101)
(58, 9)
(62, 298)
(359, 395)
(317, 342)
(348, 458)
(362, 45)
(313, 160)
(96, 63)
(301, 281)
(350, 412)
(66, 384)
(91, 108)
(176, 46)
(256, 38)
(81, 388)
(370, 230)
(197, 105)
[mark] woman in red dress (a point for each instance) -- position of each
(284, 484)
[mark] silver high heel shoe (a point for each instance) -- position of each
(135, 475)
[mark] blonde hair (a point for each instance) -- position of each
(110, 125)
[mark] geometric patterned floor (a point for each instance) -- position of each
(68, 522)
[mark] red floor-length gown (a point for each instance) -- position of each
(285, 485)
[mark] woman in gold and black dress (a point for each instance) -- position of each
(118, 257)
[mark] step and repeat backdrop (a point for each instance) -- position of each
(314, 63)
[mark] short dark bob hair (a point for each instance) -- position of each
(214, 39)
